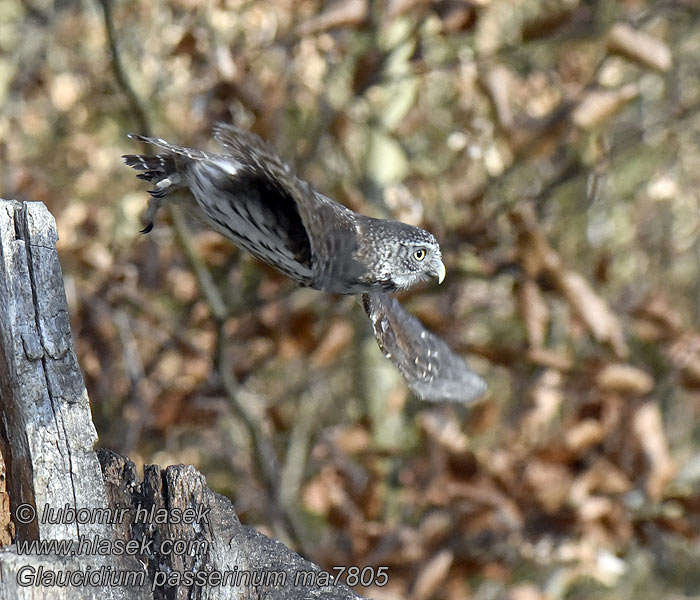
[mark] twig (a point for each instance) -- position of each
(163, 330)
(206, 282)
(203, 275)
(292, 473)
(264, 456)
(123, 81)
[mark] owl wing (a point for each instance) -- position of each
(250, 195)
(431, 369)
(330, 227)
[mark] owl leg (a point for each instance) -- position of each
(149, 216)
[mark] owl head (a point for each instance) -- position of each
(417, 258)
(405, 255)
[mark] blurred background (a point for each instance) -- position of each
(553, 148)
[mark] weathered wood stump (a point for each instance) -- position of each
(86, 527)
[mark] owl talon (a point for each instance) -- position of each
(149, 217)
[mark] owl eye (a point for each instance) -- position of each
(419, 254)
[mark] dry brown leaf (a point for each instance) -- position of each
(432, 576)
(271, 313)
(396, 8)
(547, 398)
(690, 373)
(685, 355)
(593, 508)
(583, 435)
(625, 379)
(457, 587)
(444, 431)
(599, 105)
(346, 13)
(648, 426)
(602, 479)
(436, 526)
(215, 248)
(550, 483)
(537, 257)
(325, 492)
(535, 312)
(498, 81)
(593, 310)
(456, 16)
(400, 545)
(504, 513)
(608, 478)
(336, 339)
(351, 440)
(525, 591)
(550, 359)
(640, 46)
(662, 318)
(183, 285)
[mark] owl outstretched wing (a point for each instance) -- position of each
(255, 207)
(250, 195)
(331, 228)
(431, 369)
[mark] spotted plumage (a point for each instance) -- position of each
(431, 369)
(251, 196)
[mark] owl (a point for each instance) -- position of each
(251, 196)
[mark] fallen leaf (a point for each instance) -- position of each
(538, 257)
(336, 339)
(584, 435)
(598, 106)
(346, 13)
(535, 312)
(431, 577)
(649, 428)
(625, 379)
(640, 47)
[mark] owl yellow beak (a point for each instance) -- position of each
(441, 272)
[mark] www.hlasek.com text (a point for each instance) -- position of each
(97, 545)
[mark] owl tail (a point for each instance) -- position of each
(163, 171)
(155, 168)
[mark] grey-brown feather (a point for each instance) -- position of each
(429, 366)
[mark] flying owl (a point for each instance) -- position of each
(248, 194)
